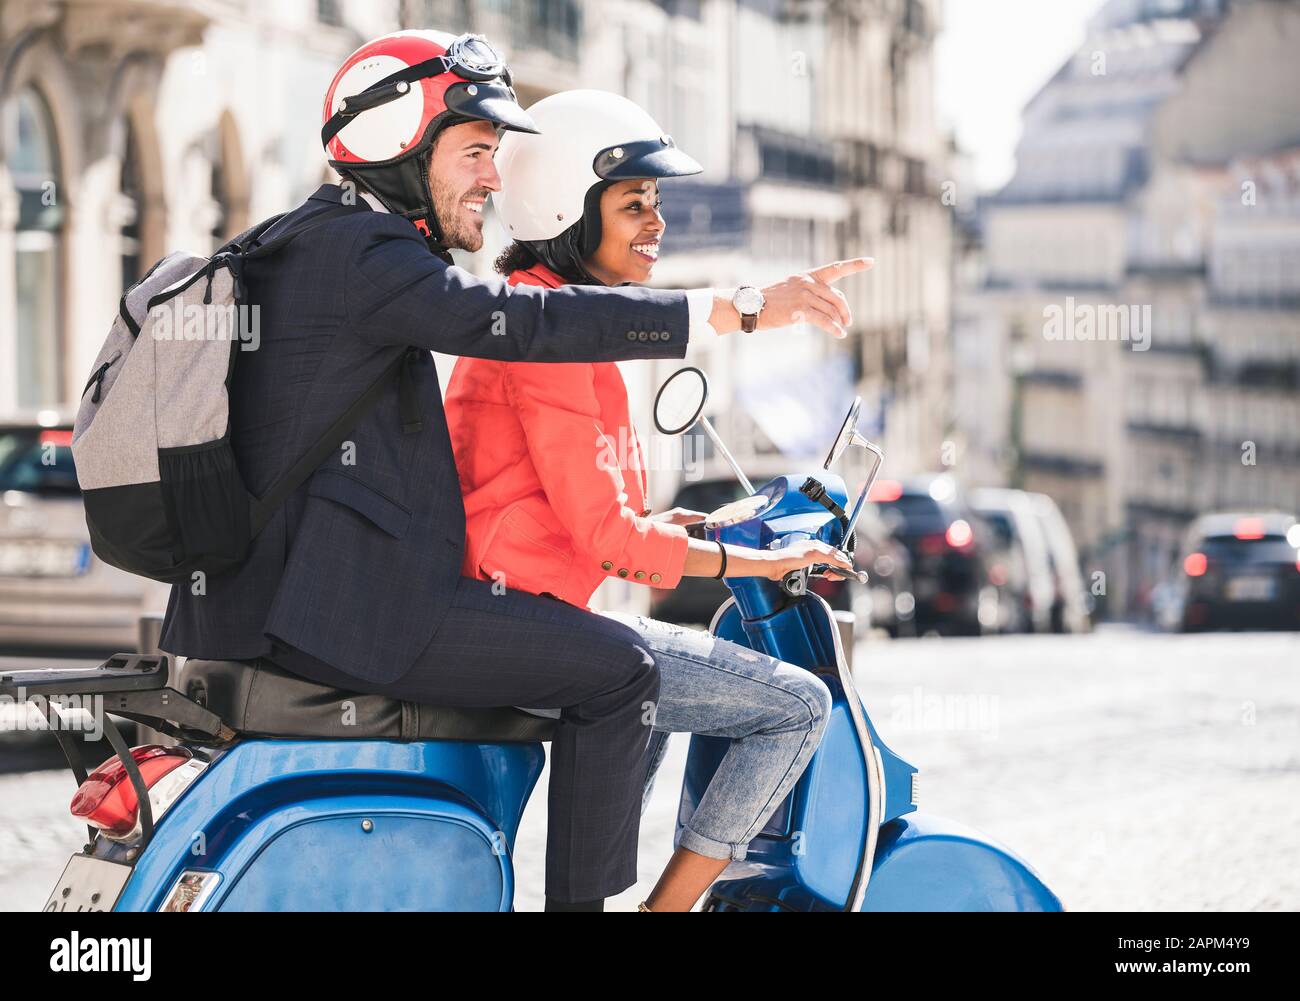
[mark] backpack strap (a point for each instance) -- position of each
(263, 507)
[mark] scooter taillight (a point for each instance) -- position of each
(107, 799)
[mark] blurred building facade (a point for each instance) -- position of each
(1134, 296)
(129, 128)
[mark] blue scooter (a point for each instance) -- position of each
(848, 837)
(280, 794)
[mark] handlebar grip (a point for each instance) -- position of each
(795, 583)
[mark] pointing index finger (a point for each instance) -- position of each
(834, 272)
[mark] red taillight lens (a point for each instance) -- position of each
(1248, 529)
(107, 799)
(959, 534)
(1195, 564)
(930, 545)
(884, 491)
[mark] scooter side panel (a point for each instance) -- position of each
(482, 787)
(367, 853)
(929, 863)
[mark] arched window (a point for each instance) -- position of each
(33, 162)
(132, 208)
(221, 199)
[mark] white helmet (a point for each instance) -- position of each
(551, 183)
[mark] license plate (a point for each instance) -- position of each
(42, 558)
(89, 884)
(1250, 588)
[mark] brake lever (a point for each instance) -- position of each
(828, 572)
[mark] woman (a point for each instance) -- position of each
(555, 487)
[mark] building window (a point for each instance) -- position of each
(327, 12)
(33, 164)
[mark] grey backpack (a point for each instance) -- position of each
(163, 495)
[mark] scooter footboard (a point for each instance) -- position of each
(346, 826)
(929, 863)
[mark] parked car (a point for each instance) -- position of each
(886, 601)
(1240, 570)
(54, 592)
(1071, 602)
(1020, 566)
(946, 543)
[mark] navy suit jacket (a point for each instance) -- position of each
(356, 569)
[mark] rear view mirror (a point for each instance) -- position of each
(680, 401)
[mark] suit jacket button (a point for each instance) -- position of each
(639, 575)
(665, 335)
(631, 335)
(656, 578)
(642, 335)
(607, 565)
(622, 571)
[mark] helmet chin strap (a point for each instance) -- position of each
(402, 184)
(565, 254)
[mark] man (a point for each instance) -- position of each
(355, 582)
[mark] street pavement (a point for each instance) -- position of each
(1132, 770)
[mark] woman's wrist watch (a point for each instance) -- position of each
(749, 303)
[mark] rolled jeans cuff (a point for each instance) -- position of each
(709, 848)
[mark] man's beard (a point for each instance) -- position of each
(457, 232)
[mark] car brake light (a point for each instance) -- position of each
(931, 544)
(107, 799)
(59, 439)
(884, 491)
(1249, 529)
(1195, 564)
(959, 534)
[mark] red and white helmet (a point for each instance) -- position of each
(391, 98)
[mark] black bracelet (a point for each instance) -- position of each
(722, 570)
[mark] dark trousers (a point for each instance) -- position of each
(518, 649)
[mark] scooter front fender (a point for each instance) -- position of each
(929, 863)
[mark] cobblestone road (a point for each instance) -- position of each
(1134, 771)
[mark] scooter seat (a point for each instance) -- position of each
(257, 698)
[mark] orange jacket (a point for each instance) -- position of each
(553, 476)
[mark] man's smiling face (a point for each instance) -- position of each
(461, 176)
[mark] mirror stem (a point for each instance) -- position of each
(879, 457)
(735, 467)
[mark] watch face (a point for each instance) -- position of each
(749, 300)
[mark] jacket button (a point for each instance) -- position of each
(631, 335)
(639, 575)
(607, 565)
(642, 336)
(665, 337)
(654, 335)
(656, 578)
(622, 571)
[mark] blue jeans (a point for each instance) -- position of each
(773, 712)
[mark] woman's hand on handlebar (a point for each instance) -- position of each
(703, 559)
(776, 563)
(807, 553)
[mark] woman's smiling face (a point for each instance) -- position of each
(630, 228)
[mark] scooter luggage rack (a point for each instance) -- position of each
(133, 687)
